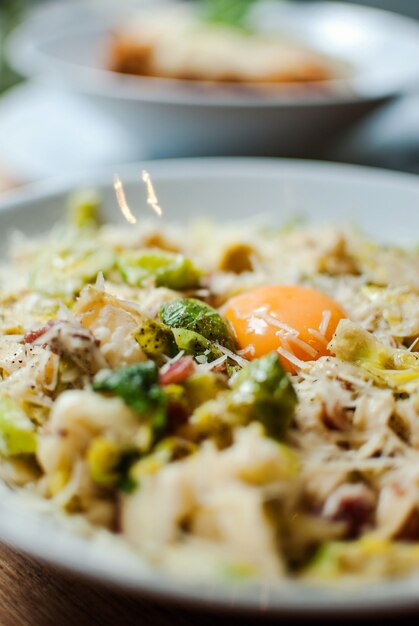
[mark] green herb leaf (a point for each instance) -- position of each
(139, 388)
(228, 12)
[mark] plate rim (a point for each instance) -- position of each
(198, 166)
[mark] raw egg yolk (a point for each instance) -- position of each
(297, 322)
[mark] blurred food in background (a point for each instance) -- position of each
(205, 77)
(216, 41)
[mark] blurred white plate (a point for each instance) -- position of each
(65, 44)
(384, 203)
(387, 138)
(47, 133)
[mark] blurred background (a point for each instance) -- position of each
(54, 123)
(406, 7)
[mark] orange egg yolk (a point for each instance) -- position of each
(297, 322)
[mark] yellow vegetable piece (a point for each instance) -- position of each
(392, 367)
(103, 457)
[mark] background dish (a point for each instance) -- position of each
(384, 204)
(66, 45)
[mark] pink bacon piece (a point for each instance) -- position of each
(32, 335)
(178, 371)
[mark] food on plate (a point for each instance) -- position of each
(232, 401)
(179, 42)
(302, 319)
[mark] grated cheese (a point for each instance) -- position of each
(204, 366)
(249, 349)
(269, 319)
(317, 334)
(324, 324)
(234, 357)
(100, 282)
(170, 361)
(303, 345)
(291, 358)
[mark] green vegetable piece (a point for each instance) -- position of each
(392, 367)
(177, 404)
(193, 343)
(170, 270)
(175, 448)
(128, 484)
(17, 433)
(167, 450)
(231, 13)
(109, 465)
(261, 392)
(325, 563)
(63, 268)
(199, 317)
(102, 460)
(84, 208)
(203, 387)
(364, 557)
(176, 394)
(264, 392)
(156, 339)
(139, 388)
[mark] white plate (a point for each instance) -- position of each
(65, 44)
(384, 203)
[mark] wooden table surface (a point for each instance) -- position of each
(33, 594)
